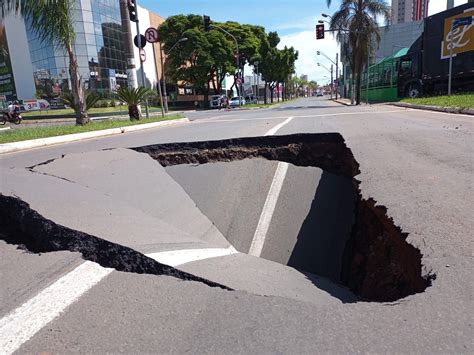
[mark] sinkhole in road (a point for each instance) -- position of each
(362, 249)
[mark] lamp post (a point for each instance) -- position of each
(256, 91)
(335, 63)
(163, 76)
(238, 59)
(330, 71)
(450, 57)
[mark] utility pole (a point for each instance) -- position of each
(367, 73)
(258, 86)
(337, 73)
(332, 85)
(163, 77)
(128, 45)
(450, 57)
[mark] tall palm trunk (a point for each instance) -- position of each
(78, 93)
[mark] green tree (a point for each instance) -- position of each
(133, 98)
(355, 23)
(52, 20)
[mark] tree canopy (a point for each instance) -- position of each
(205, 58)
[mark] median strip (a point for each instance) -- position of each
(58, 139)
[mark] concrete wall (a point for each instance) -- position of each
(20, 54)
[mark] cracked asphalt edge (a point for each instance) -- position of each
(22, 226)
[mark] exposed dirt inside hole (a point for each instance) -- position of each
(22, 226)
(378, 263)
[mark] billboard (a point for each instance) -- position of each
(461, 38)
(7, 83)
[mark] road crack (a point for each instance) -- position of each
(22, 226)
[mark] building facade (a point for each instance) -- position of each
(39, 69)
(409, 10)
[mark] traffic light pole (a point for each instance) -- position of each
(128, 45)
(139, 41)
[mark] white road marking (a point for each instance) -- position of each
(265, 219)
(268, 208)
(180, 257)
(272, 131)
(23, 323)
(210, 120)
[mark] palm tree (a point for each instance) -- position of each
(53, 24)
(133, 98)
(91, 99)
(355, 24)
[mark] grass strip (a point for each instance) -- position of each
(23, 134)
(460, 100)
(119, 109)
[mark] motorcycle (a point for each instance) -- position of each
(15, 118)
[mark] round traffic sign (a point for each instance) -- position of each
(142, 41)
(142, 55)
(151, 35)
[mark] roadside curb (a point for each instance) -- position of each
(342, 102)
(455, 110)
(59, 119)
(44, 142)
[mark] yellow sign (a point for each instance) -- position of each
(461, 38)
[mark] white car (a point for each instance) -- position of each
(234, 102)
(215, 101)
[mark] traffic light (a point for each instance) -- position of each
(319, 31)
(132, 10)
(207, 23)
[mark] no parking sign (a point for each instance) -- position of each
(151, 35)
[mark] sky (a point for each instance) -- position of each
(294, 20)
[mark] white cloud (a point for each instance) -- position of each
(306, 44)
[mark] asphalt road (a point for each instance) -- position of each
(418, 164)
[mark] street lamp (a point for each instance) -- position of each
(329, 70)
(163, 76)
(335, 63)
(239, 85)
(256, 91)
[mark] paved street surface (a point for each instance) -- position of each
(204, 219)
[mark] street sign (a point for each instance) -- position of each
(151, 35)
(143, 41)
(142, 55)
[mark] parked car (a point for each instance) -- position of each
(234, 102)
(215, 100)
(251, 99)
(319, 93)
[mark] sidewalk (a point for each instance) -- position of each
(342, 101)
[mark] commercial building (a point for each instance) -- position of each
(409, 10)
(29, 67)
